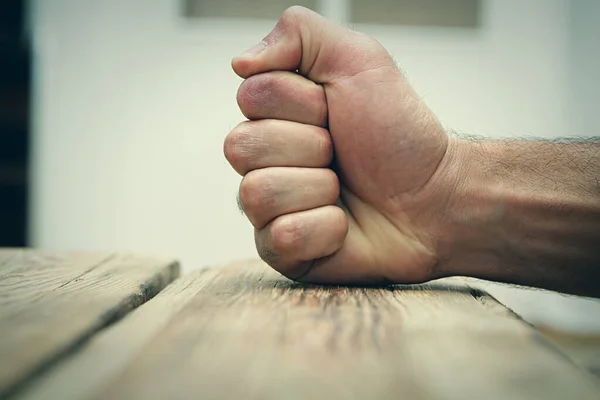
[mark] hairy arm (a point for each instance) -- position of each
(526, 212)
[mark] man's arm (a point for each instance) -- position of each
(526, 212)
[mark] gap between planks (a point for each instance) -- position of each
(54, 302)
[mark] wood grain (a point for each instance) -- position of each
(51, 303)
(245, 332)
(582, 348)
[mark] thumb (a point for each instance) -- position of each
(319, 49)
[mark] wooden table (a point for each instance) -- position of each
(99, 326)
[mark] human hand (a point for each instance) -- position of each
(378, 217)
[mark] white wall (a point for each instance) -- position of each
(132, 104)
(584, 56)
(506, 79)
(131, 109)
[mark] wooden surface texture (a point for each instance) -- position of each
(51, 303)
(246, 332)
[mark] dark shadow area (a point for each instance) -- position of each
(15, 86)
(287, 284)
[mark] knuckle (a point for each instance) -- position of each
(233, 148)
(253, 93)
(254, 195)
(296, 18)
(237, 147)
(250, 196)
(290, 14)
(286, 236)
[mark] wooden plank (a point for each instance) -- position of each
(51, 303)
(107, 354)
(245, 332)
(7, 255)
(582, 348)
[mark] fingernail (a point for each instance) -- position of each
(255, 50)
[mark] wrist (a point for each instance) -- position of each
(469, 241)
(524, 212)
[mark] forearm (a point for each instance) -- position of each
(527, 212)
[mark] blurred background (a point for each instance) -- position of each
(113, 112)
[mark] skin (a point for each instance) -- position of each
(350, 178)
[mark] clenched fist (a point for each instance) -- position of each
(340, 157)
(350, 178)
